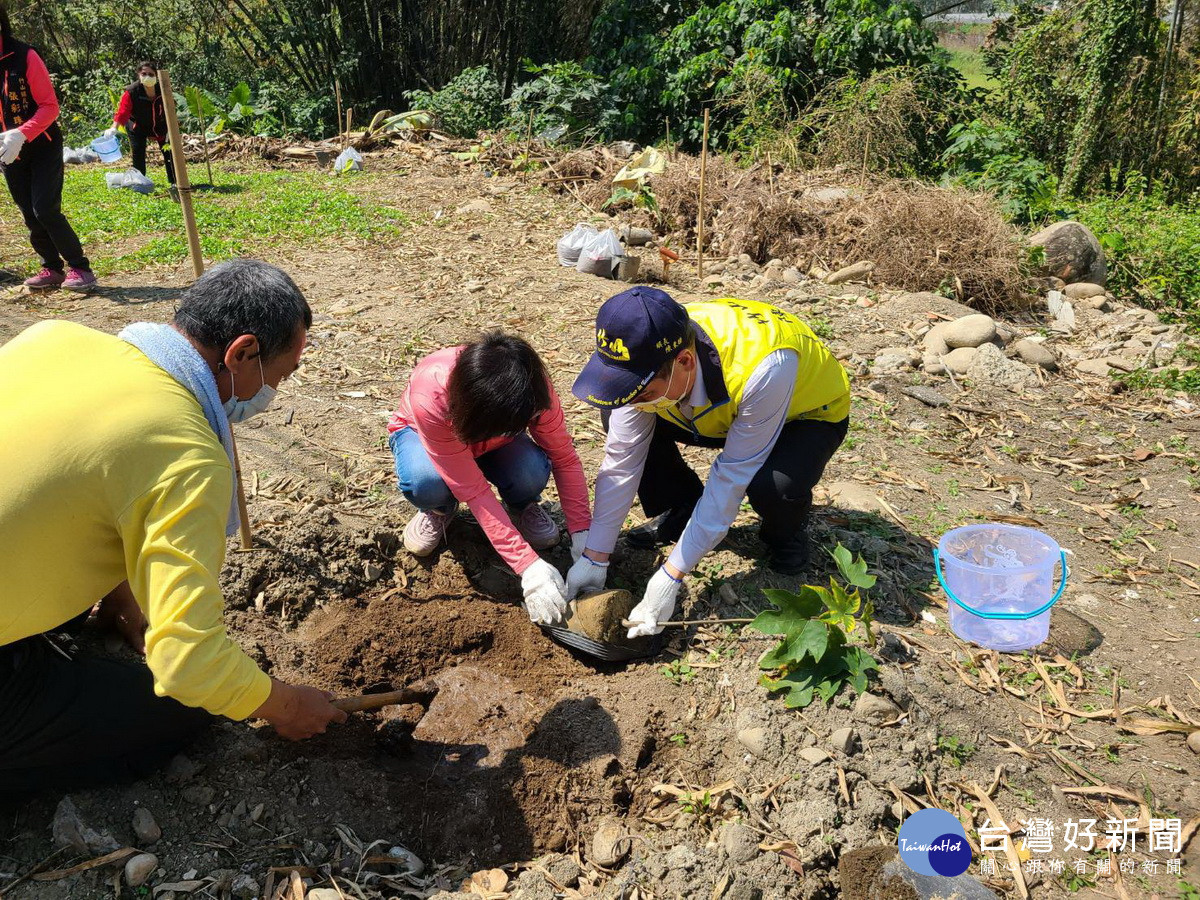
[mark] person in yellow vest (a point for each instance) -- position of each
(738, 375)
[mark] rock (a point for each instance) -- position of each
(474, 206)
(852, 495)
(1054, 301)
(844, 740)
(876, 709)
(199, 794)
(813, 755)
(636, 237)
(1101, 303)
(1121, 363)
(959, 360)
(69, 830)
(246, 888)
(935, 339)
(926, 395)
(818, 273)
(856, 272)
(1096, 367)
(139, 868)
(1036, 354)
(753, 739)
(896, 881)
(326, 894)
(791, 275)
(1072, 253)
(407, 860)
(1083, 290)
(829, 194)
(969, 331)
(256, 814)
(892, 360)
(144, 826)
(713, 282)
(628, 268)
(1193, 741)
(564, 869)
(991, 366)
(739, 843)
(181, 769)
(775, 263)
(610, 844)
(933, 365)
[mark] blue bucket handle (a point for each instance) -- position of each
(937, 567)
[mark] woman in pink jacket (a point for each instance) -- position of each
(486, 412)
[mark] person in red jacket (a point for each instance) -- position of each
(141, 113)
(31, 155)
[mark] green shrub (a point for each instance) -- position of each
(988, 157)
(472, 102)
(567, 104)
(1152, 247)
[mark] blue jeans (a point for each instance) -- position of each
(519, 470)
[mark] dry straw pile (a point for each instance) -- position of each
(921, 237)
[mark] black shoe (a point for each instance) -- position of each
(790, 557)
(659, 531)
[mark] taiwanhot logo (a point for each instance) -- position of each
(933, 842)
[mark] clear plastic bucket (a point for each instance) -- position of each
(1000, 583)
(109, 148)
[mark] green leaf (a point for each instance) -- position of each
(810, 641)
(792, 612)
(858, 663)
(799, 688)
(828, 689)
(240, 95)
(853, 569)
(841, 607)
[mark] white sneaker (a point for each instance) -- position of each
(537, 527)
(425, 531)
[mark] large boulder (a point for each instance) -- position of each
(1072, 253)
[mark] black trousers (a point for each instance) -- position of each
(35, 181)
(137, 146)
(72, 723)
(780, 492)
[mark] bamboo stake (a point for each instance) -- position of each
(770, 173)
(207, 161)
(181, 172)
(337, 93)
(349, 119)
(528, 147)
(670, 150)
(700, 213)
(243, 513)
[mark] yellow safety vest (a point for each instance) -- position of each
(734, 337)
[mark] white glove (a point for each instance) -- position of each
(11, 143)
(578, 544)
(657, 605)
(545, 593)
(586, 575)
(111, 132)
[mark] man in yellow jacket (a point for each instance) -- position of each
(738, 375)
(118, 488)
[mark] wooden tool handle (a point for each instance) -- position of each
(686, 622)
(389, 698)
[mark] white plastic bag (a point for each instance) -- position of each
(349, 160)
(601, 254)
(130, 178)
(571, 244)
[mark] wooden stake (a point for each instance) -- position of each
(528, 147)
(700, 213)
(670, 154)
(337, 93)
(346, 137)
(770, 173)
(207, 161)
(182, 183)
(243, 512)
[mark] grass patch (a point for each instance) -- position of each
(248, 213)
(970, 64)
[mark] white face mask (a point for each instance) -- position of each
(148, 80)
(663, 402)
(241, 410)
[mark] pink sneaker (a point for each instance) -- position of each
(537, 527)
(425, 531)
(79, 279)
(44, 280)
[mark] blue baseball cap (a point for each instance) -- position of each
(636, 332)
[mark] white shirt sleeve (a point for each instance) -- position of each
(625, 451)
(760, 419)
